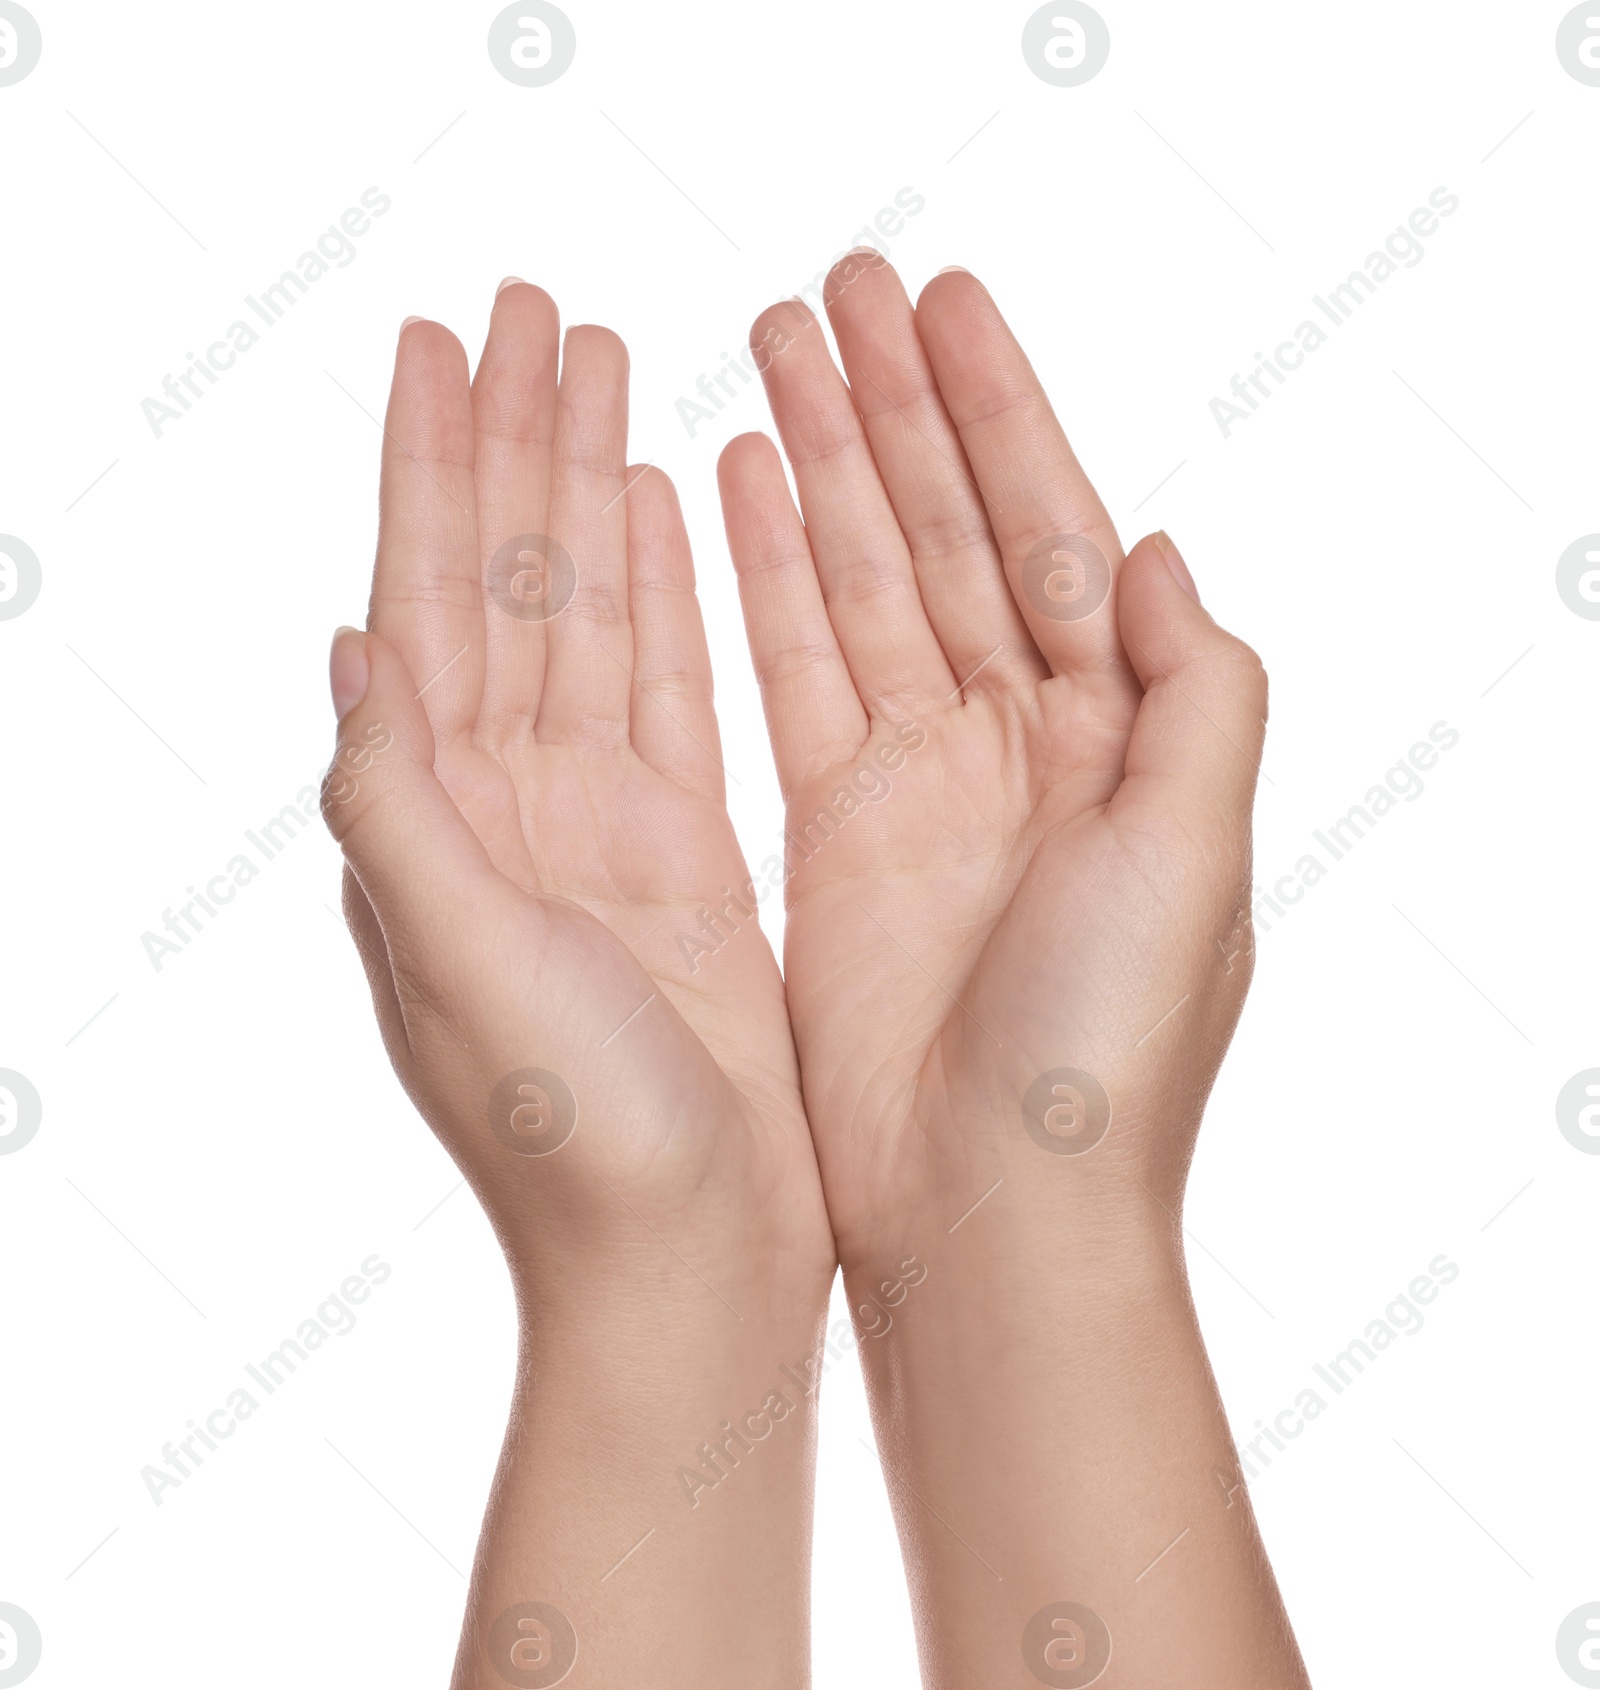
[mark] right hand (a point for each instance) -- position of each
(1063, 864)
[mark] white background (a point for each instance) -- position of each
(231, 1120)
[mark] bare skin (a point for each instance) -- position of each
(1055, 886)
(1018, 767)
(532, 812)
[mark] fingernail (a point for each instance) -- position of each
(955, 270)
(348, 670)
(408, 322)
(863, 252)
(510, 281)
(1180, 570)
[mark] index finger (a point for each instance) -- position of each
(1058, 544)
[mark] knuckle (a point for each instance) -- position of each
(1237, 667)
(596, 602)
(793, 662)
(774, 562)
(349, 786)
(1252, 673)
(676, 686)
(339, 794)
(955, 533)
(870, 578)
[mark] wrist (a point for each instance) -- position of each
(994, 1201)
(658, 1464)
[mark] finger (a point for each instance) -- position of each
(1058, 544)
(814, 717)
(925, 472)
(1195, 750)
(861, 556)
(425, 595)
(514, 419)
(673, 723)
(419, 864)
(589, 640)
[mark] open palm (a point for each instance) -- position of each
(1017, 767)
(544, 816)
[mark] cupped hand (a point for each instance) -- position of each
(1018, 768)
(529, 795)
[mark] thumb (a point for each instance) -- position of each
(419, 863)
(1195, 750)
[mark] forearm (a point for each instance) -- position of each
(1051, 1434)
(653, 1498)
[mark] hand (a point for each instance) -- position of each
(530, 795)
(1018, 769)
(530, 799)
